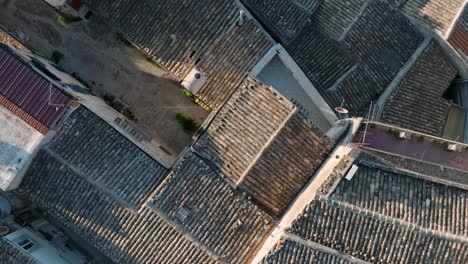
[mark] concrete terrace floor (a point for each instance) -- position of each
(428, 150)
(93, 50)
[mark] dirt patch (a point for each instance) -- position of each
(35, 7)
(94, 52)
(49, 33)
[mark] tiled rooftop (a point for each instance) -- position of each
(289, 251)
(373, 237)
(103, 184)
(383, 214)
(28, 94)
(241, 129)
(417, 101)
(208, 208)
(433, 14)
(336, 17)
(349, 53)
(229, 60)
(105, 157)
(284, 18)
(182, 34)
(458, 38)
(448, 176)
(8, 39)
(287, 163)
(427, 204)
(9, 254)
(263, 144)
(122, 234)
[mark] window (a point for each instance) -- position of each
(88, 15)
(27, 244)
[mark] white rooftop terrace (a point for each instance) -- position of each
(17, 142)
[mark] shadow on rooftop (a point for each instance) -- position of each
(11, 155)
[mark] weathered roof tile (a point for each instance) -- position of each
(417, 102)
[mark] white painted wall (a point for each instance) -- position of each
(45, 252)
(17, 141)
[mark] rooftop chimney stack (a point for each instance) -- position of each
(241, 21)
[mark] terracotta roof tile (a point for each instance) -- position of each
(106, 157)
(261, 142)
(433, 14)
(373, 237)
(29, 91)
(211, 210)
(417, 102)
(289, 251)
(123, 235)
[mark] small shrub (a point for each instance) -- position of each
(187, 92)
(127, 113)
(124, 40)
(108, 98)
(465, 147)
(372, 125)
(434, 141)
(66, 20)
(56, 56)
(78, 78)
(421, 138)
(395, 131)
(188, 124)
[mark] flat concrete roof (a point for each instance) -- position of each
(17, 142)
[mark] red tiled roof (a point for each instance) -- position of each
(459, 39)
(23, 115)
(30, 92)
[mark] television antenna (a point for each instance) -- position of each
(49, 102)
(367, 123)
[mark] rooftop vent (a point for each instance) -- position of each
(404, 134)
(183, 213)
(351, 172)
(194, 80)
(241, 20)
(454, 147)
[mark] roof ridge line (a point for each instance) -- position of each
(316, 246)
(186, 234)
(411, 173)
(355, 20)
(267, 144)
(392, 88)
(455, 20)
(417, 160)
(394, 221)
(96, 185)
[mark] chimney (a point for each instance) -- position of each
(241, 21)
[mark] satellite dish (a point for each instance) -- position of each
(342, 112)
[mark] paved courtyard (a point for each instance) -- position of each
(93, 50)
